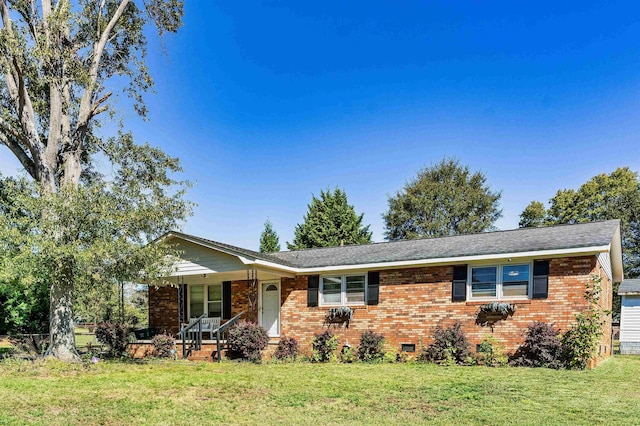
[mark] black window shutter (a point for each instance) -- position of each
(182, 309)
(459, 285)
(312, 291)
(540, 279)
(373, 288)
(226, 300)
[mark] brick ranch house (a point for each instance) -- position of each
(402, 290)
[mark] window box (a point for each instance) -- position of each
(491, 313)
(340, 316)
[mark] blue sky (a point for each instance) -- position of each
(268, 102)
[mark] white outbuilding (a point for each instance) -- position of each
(630, 317)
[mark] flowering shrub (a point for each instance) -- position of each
(541, 347)
(164, 346)
(371, 346)
(247, 340)
(450, 346)
(324, 346)
(115, 336)
(287, 349)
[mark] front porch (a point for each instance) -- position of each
(208, 351)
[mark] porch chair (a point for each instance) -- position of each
(209, 325)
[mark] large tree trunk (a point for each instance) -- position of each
(61, 329)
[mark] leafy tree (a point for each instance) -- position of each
(269, 240)
(330, 221)
(603, 197)
(533, 215)
(59, 60)
(443, 199)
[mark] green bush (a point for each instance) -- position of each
(324, 346)
(491, 353)
(371, 346)
(246, 341)
(115, 336)
(580, 342)
(450, 346)
(348, 354)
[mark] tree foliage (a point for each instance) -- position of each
(533, 215)
(269, 240)
(443, 199)
(60, 61)
(603, 197)
(330, 221)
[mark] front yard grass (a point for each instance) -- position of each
(192, 393)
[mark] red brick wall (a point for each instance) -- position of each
(163, 305)
(163, 308)
(414, 301)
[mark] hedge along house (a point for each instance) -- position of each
(630, 317)
(402, 290)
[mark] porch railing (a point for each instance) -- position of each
(191, 335)
(223, 329)
(195, 341)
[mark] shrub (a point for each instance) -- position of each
(164, 346)
(115, 336)
(541, 347)
(450, 346)
(324, 346)
(580, 343)
(371, 346)
(348, 354)
(287, 349)
(491, 353)
(246, 340)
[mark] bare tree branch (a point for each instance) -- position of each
(20, 153)
(14, 80)
(85, 104)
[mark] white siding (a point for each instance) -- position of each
(630, 319)
(201, 260)
(605, 262)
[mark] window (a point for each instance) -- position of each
(215, 300)
(502, 281)
(196, 301)
(205, 299)
(343, 289)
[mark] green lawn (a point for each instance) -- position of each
(191, 393)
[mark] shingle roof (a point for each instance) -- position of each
(486, 243)
(629, 286)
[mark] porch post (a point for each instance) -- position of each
(252, 295)
(182, 303)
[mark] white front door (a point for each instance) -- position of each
(270, 318)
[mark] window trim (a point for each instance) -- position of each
(205, 298)
(343, 289)
(499, 289)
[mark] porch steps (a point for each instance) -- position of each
(209, 351)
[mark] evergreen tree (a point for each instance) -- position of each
(444, 199)
(269, 240)
(330, 221)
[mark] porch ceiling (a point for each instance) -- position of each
(262, 275)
